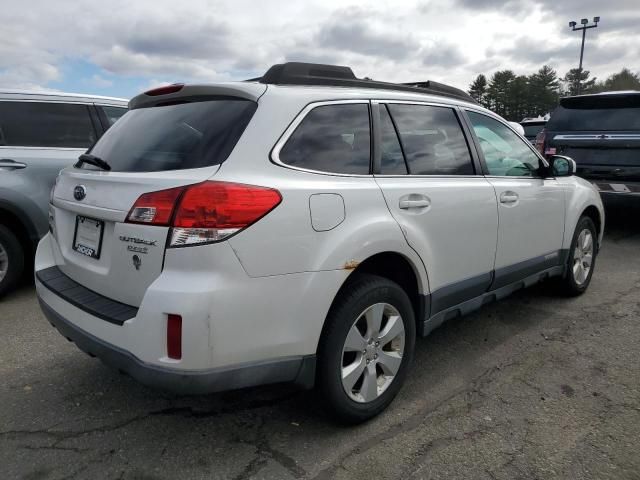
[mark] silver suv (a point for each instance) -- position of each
(305, 227)
(40, 134)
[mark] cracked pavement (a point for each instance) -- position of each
(536, 386)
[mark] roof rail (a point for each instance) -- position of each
(299, 73)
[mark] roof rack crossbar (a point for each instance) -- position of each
(299, 73)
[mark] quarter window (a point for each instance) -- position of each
(39, 124)
(505, 153)
(332, 139)
(113, 113)
(432, 140)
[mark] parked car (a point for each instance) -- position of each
(601, 132)
(532, 127)
(302, 228)
(40, 134)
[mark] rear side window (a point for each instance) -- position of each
(432, 140)
(332, 139)
(391, 157)
(41, 124)
(175, 137)
(113, 113)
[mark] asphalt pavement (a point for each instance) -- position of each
(535, 387)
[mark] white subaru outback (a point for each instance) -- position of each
(302, 227)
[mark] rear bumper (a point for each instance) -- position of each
(299, 370)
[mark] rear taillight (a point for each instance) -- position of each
(205, 212)
(540, 141)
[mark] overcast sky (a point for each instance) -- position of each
(123, 47)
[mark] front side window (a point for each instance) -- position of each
(505, 153)
(432, 140)
(42, 124)
(332, 139)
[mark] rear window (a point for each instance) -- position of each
(43, 124)
(604, 113)
(532, 130)
(175, 137)
(332, 139)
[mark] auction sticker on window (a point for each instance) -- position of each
(88, 236)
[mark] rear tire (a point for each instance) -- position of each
(366, 348)
(582, 258)
(11, 260)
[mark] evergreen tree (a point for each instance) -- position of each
(478, 89)
(578, 82)
(498, 92)
(544, 91)
(623, 80)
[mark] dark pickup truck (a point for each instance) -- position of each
(601, 132)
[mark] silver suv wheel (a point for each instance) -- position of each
(372, 352)
(583, 256)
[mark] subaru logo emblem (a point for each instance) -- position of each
(79, 192)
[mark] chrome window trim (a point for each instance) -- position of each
(10, 147)
(284, 138)
(33, 100)
(605, 136)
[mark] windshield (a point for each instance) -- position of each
(532, 130)
(175, 137)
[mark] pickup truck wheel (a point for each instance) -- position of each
(366, 349)
(11, 260)
(582, 258)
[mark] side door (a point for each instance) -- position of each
(531, 209)
(37, 140)
(446, 209)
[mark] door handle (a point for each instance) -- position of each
(407, 204)
(508, 197)
(11, 164)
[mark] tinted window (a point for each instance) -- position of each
(532, 130)
(33, 124)
(331, 138)
(392, 159)
(113, 113)
(175, 137)
(432, 140)
(505, 153)
(598, 119)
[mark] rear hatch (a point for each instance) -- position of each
(169, 139)
(601, 133)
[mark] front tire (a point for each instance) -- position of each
(582, 258)
(366, 348)
(11, 260)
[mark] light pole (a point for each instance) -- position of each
(584, 22)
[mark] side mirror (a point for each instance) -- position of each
(562, 166)
(517, 127)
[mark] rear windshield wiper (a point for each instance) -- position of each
(92, 160)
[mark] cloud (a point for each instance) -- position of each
(131, 43)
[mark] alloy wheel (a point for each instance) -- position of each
(583, 256)
(372, 352)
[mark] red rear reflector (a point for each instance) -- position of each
(176, 87)
(174, 336)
